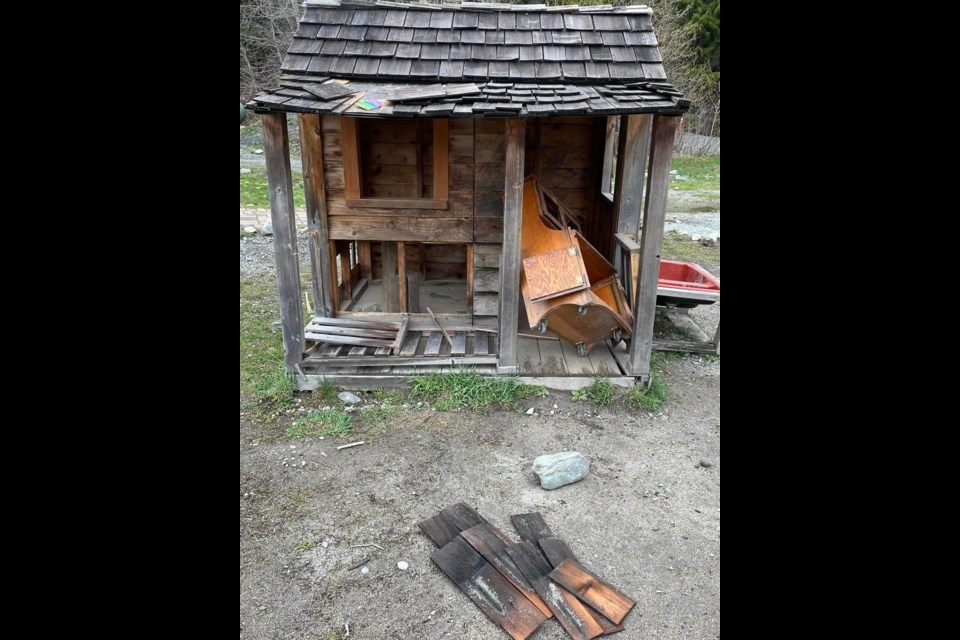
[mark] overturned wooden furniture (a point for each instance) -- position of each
(566, 284)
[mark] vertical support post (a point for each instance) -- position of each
(609, 148)
(311, 145)
(628, 192)
(365, 258)
(279, 180)
(390, 298)
(658, 186)
(516, 132)
(402, 275)
(470, 277)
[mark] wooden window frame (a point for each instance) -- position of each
(350, 138)
(609, 153)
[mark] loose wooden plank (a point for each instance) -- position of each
(633, 151)
(572, 615)
(398, 361)
(557, 551)
(334, 339)
(351, 331)
(651, 242)
(463, 516)
(442, 330)
(355, 322)
(401, 335)
(401, 276)
(360, 351)
(433, 344)
(410, 343)
(488, 589)
(593, 590)
(439, 529)
(531, 526)
(279, 180)
(515, 146)
(490, 542)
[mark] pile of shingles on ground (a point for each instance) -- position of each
(518, 585)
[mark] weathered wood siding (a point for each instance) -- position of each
(562, 151)
(453, 224)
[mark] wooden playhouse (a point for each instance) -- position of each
(419, 125)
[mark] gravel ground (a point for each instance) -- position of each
(695, 225)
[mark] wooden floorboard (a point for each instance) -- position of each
(604, 364)
(576, 365)
(528, 357)
(551, 358)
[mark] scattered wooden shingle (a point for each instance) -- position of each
(592, 590)
(449, 36)
(328, 91)
(417, 19)
(465, 20)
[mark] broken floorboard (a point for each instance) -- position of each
(489, 590)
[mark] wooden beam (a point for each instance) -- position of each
(365, 258)
(334, 286)
(279, 181)
(390, 298)
(628, 192)
(609, 151)
(510, 266)
(350, 145)
(441, 151)
(470, 276)
(402, 276)
(651, 242)
(311, 145)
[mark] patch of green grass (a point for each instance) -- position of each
(329, 423)
(303, 546)
(255, 193)
(391, 396)
(696, 174)
(247, 234)
(326, 392)
(275, 388)
(649, 399)
(678, 247)
(466, 389)
(261, 349)
(601, 393)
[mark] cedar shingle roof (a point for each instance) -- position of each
(472, 59)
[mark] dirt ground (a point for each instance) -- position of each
(646, 519)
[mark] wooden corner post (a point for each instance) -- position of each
(510, 267)
(654, 212)
(632, 152)
(279, 181)
(311, 145)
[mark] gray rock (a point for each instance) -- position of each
(245, 170)
(531, 411)
(403, 566)
(705, 464)
(558, 469)
(267, 228)
(258, 151)
(349, 398)
(249, 229)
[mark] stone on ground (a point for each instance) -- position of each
(559, 469)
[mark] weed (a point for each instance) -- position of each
(391, 396)
(649, 399)
(467, 389)
(330, 423)
(601, 393)
(254, 191)
(688, 334)
(326, 392)
(580, 394)
(303, 546)
(275, 388)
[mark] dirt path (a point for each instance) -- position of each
(647, 518)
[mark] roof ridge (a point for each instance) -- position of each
(440, 5)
